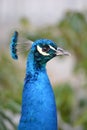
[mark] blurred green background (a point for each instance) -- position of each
(71, 96)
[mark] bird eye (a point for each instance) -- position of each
(45, 48)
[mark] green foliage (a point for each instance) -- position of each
(10, 89)
(72, 109)
(10, 82)
(73, 30)
(64, 100)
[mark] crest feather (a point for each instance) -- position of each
(18, 47)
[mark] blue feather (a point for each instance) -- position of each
(13, 44)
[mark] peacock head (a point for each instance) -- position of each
(44, 50)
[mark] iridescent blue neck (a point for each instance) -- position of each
(33, 65)
(38, 101)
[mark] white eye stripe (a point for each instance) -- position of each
(44, 53)
(41, 52)
(52, 48)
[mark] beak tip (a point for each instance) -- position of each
(60, 51)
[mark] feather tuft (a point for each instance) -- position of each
(18, 47)
(13, 44)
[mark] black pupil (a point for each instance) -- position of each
(45, 48)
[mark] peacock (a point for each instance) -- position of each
(38, 101)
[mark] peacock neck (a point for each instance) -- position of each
(34, 66)
(38, 101)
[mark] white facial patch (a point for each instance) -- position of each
(41, 52)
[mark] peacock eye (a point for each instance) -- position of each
(45, 48)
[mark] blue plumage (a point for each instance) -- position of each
(13, 45)
(38, 101)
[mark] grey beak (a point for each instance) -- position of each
(61, 52)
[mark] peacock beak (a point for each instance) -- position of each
(61, 52)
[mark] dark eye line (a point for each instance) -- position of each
(45, 48)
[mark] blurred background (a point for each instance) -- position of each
(63, 21)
